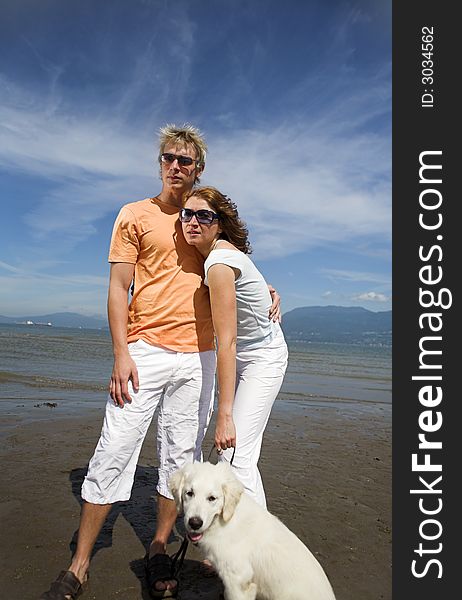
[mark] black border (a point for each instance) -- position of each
(417, 129)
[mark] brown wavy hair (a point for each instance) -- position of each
(233, 228)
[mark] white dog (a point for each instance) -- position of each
(255, 554)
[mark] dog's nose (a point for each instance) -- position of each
(195, 523)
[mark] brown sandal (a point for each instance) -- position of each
(65, 587)
(160, 568)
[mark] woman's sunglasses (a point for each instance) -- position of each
(203, 216)
(183, 161)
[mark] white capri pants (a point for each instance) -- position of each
(259, 375)
(182, 386)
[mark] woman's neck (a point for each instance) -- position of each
(206, 251)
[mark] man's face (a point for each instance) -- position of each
(179, 177)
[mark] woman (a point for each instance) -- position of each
(251, 353)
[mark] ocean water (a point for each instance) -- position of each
(338, 373)
(70, 368)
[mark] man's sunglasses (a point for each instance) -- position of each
(203, 216)
(183, 161)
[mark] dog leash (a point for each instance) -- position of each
(178, 557)
(220, 453)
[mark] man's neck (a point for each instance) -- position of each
(171, 197)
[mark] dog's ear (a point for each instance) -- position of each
(175, 484)
(232, 491)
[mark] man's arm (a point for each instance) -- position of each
(117, 306)
(275, 310)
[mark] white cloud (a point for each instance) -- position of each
(61, 146)
(35, 293)
(9, 268)
(301, 185)
(298, 184)
(354, 276)
(371, 297)
(316, 180)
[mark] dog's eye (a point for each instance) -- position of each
(211, 498)
(190, 493)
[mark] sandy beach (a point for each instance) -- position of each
(326, 470)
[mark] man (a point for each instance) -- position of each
(165, 360)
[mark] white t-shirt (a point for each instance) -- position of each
(253, 300)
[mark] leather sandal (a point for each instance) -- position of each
(65, 587)
(160, 568)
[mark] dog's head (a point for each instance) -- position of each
(204, 492)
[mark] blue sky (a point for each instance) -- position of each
(294, 99)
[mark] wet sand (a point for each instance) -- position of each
(327, 475)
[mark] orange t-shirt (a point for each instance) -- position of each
(170, 305)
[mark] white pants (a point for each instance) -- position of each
(259, 375)
(181, 385)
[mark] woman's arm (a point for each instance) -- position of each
(117, 308)
(223, 303)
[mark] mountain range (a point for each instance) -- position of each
(338, 324)
(308, 324)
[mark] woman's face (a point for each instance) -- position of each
(201, 235)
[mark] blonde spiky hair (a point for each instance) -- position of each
(186, 134)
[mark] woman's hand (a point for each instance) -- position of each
(225, 433)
